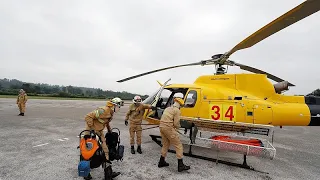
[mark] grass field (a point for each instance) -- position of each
(54, 98)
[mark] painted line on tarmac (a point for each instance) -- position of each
(41, 145)
(63, 139)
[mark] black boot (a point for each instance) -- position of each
(109, 174)
(22, 114)
(162, 162)
(181, 166)
(88, 177)
(132, 150)
(139, 149)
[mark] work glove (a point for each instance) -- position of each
(126, 122)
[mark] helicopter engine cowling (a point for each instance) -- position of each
(281, 86)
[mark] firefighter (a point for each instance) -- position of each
(135, 115)
(169, 124)
(97, 120)
(21, 101)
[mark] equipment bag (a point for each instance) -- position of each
(88, 146)
(97, 159)
(84, 168)
(116, 150)
(120, 152)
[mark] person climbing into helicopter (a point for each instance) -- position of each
(135, 115)
(169, 124)
(21, 102)
(97, 120)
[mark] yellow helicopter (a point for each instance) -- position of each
(242, 103)
(245, 98)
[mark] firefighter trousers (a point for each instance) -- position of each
(22, 107)
(135, 130)
(169, 137)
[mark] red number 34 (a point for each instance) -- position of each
(217, 115)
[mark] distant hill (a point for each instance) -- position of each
(12, 87)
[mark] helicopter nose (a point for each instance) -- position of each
(313, 103)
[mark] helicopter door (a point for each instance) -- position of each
(153, 100)
(159, 93)
(262, 114)
(191, 103)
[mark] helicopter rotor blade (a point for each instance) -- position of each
(301, 11)
(166, 68)
(258, 71)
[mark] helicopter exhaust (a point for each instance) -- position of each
(281, 86)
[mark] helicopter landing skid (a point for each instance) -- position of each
(189, 154)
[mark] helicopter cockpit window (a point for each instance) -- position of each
(191, 99)
(163, 98)
(175, 95)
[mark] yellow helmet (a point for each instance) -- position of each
(179, 100)
(110, 104)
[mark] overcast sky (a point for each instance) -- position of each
(95, 43)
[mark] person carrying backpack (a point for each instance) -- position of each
(97, 120)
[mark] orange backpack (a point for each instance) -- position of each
(88, 147)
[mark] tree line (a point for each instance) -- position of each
(12, 87)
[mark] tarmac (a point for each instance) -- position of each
(43, 145)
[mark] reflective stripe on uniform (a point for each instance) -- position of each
(100, 120)
(98, 112)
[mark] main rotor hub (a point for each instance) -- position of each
(216, 56)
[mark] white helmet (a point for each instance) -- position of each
(137, 99)
(116, 100)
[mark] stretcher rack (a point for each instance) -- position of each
(231, 129)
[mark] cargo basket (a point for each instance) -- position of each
(240, 144)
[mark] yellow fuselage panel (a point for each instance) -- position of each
(228, 80)
(287, 99)
(255, 84)
(291, 114)
(248, 98)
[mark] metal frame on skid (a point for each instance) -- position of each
(194, 124)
